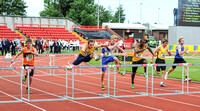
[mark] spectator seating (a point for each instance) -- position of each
(8, 33)
(54, 33)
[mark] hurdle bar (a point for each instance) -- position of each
(16, 99)
(98, 96)
(52, 59)
(58, 98)
(133, 65)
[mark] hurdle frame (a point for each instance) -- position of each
(28, 99)
(98, 96)
(188, 86)
(16, 100)
(114, 83)
(171, 93)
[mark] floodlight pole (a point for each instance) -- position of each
(119, 11)
(98, 15)
(140, 13)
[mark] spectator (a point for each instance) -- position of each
(13, 45)
(18, 43)
(3, 42)
(51, 46)
(55, 45)
(7, 46)
(77, 44)
(0, 45)
(40, 46)
(59, 46)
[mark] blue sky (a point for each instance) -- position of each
(132, 9)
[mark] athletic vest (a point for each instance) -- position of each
(138, 56)
(88, 51)
(107, 52)
(162, 52)
(28, 57)
(177, 53)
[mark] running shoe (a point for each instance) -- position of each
(24, 80)
(166, 75)
(163, 85)
(28, 90)
(132, 86)
(102, 87)
(145, 75)
(122, 73)
(98, 58)
(188, 79)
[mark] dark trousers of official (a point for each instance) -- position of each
(40, 50)
(59, 49)
(51, 49)
(7, 50)
(3, 50)
(13, 51)
(55, 49)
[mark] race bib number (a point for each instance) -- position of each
(29, 57)
(163, 55)
(138, 55)
(108, 54)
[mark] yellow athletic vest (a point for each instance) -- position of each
(138, 56)
(162, 52)
(88, 51)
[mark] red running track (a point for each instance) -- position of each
(88, 84)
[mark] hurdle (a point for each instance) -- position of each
(196, 90)
(9, 68)
(4, 93)
(96, 96)
(55, 96)
(52, 61)
(167, 91)
(144, 93)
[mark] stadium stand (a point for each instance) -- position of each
(7, 32)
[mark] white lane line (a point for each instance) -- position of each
(55, 95)
(137, 104)
(23, 101)
(176, 101)
(121, 100)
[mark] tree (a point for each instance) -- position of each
(12, 7)
(116, 15)
(56, 8)
(104, 15)
(83, 12)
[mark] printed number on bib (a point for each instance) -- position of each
(138, 55)
(29, 57)
(163, 55)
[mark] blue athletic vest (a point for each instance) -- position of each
(177, 54)
(106, 51)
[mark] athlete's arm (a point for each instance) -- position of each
(17, 55)
(156, 50)
(168, 51)
(35, 52)
(101, 45)
(83, 49)
(181, 52)
(122, 51)
(111, 47)
(137, 50)
(149, 49)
